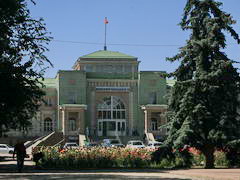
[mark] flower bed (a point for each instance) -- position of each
(96, 157)
(100, 157)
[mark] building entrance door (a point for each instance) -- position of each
(111, 127)
(104, 128)
(111, 117)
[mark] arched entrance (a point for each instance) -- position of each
(111, 117)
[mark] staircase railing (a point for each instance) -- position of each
(38, 141)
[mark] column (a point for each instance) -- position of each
(93, 123)
(79, 122)
(82, 121)
(130, 122)
(63, 122)
(147, 118)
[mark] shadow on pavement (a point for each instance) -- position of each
(83, 176)
(9, 171)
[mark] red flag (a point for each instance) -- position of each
(105, 20)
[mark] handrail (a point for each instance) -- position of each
(29, 149)
(58, 143)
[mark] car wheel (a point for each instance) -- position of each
(10, 152)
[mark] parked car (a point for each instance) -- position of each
(71, 145)
(135, 144)
(154, 144)
(112, 143)
(6, 149)
(91, 144)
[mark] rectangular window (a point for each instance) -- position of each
(99, 68)
(100, 126)
(119, 126)
(72, 97)
(49, 101)
(99, 114)
(135, 68)
(105, 68)
(119, 68)
(154, 125)
(72, 125)
(128, 68)
(111, 126)
(118, 115)
(123, 126)
(114, 115)
(104, 115)
(88, 68)
(123, 114)
(152, 98)
(109, 68)
(109, 115)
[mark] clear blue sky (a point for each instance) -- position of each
(141, 22)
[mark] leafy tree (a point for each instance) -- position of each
(204, 99)
(22, 47)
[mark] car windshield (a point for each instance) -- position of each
(92, 145)
(115, 142)
(137, 143)
(72, 145)
(9, 146)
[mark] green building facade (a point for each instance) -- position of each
(105, 95)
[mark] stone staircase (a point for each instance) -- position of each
(31, 145)
(52, 140)
(47, 140)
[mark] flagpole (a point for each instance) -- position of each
(105, 41)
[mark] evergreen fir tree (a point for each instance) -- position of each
(204, 100)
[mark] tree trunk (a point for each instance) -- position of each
(208, 152)
(1, 131)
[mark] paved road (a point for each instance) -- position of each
(8, 172)
(88, 176)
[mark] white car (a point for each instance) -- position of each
(154, 144)
(6, 149)
(112, 143)
(70, 145)
(135, 144)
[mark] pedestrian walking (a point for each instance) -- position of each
(20, 151)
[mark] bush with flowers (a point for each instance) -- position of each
(101, 157)
(95, 157)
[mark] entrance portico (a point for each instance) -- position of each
(154, 116)
(72, 119)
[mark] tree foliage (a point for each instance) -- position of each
(22, 47)
(204, 100)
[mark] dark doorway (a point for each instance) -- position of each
(104, 128)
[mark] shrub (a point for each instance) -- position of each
(96, 157)
(233, 156)
(220, 159)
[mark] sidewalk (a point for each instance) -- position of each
(210, 174)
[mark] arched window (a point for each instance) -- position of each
(48, 125)
(111, 107)
(72, 124)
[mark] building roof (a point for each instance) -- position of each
(104, 54)
(49, 82)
